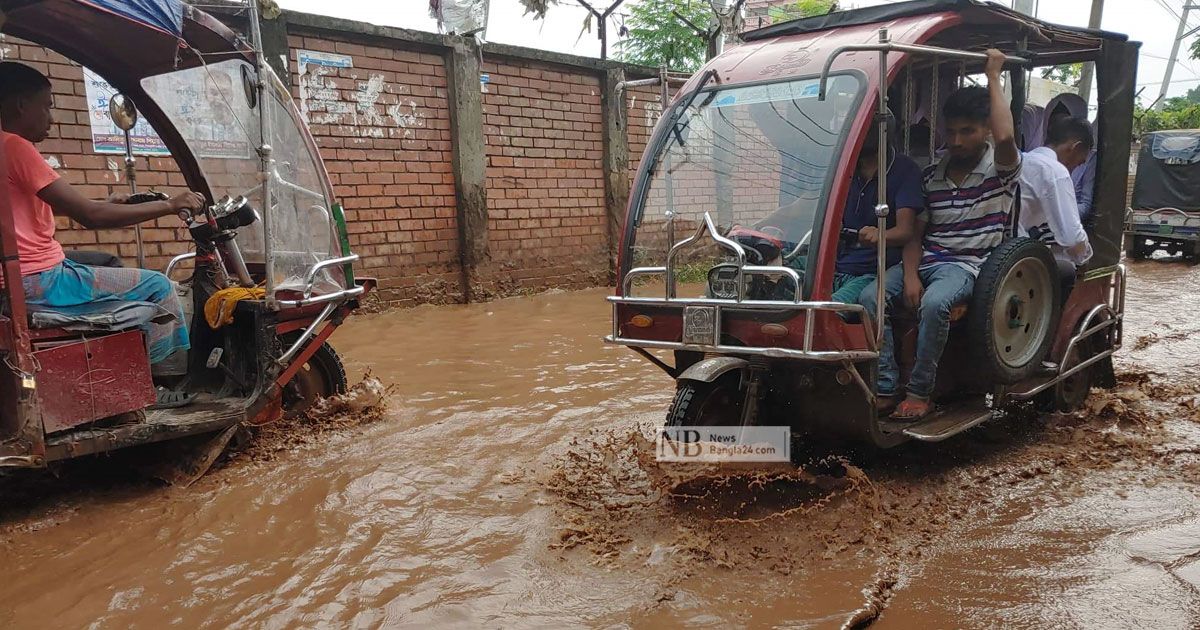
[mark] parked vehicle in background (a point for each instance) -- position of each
(1164, 213)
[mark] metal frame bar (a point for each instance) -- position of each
(307, 334)
(915, 49)
(1114, 324)
(320, 299)
(828, 356)
(176, 261)
(310, 278)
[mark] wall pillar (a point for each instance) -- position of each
(275, 47)
(469, 161)
(616, 162)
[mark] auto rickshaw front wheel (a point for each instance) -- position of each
(1014, 311)
(708, 404)
(320, 377)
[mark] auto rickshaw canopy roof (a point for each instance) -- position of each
(123, 40)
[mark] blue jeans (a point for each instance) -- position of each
(946, 285)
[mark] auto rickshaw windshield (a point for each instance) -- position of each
(756, 156)
(217, 117)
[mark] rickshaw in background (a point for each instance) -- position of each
(71, 386)
(1165, 209)
(771, 128)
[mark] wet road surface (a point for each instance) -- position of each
(510, 485)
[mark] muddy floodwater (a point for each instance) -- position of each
(510, 484)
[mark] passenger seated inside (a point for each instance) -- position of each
(856, 261)
(1048, 207)
(969, 195)
(37, 193)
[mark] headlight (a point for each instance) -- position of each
(722, 282)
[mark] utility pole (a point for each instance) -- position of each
(1179, 37)
(1089, 69)
(602, 23)
(1024, 6)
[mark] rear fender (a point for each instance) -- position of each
(709, 370)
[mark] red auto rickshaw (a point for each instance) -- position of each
(272, 226)
(775, 123)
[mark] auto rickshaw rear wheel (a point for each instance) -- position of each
(701, 404)
(320, 377)
(1071, 392)
(1014, 311)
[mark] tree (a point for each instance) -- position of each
(658, 38)
(1177, 113)
(801, 8)
(1069, 74)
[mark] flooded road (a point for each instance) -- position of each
(510, 485)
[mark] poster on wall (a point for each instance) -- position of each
(106, 136)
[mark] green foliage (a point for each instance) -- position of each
(801, 8)
(658, 38)
(1069, 74)
(1177, 113)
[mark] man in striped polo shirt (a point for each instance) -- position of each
(969, 197)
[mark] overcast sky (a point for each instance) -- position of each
(1147, 21)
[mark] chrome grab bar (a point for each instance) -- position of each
(328, 297)
(306, 335)
(712, 230)
(1175, 210)
(175, 262)
(311, 277)
(916, 49)
(750, 270)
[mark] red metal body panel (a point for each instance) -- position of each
(89, 379)
(829, 331)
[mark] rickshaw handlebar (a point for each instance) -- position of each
(916, 49)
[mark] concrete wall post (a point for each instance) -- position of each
(469, 161)
(275, 45)
(616, 161)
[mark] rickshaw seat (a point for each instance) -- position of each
(107, 316)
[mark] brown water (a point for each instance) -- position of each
(510, 485)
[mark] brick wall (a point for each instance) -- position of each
(545, 178)
(382, 128)
(383, 131)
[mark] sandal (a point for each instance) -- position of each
(171, 398)
(912, 410)
(885, 404)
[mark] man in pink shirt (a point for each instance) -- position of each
(37, 193)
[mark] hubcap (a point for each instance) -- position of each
(303, 391)
(1021, 313)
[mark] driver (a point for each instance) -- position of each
(37, 193)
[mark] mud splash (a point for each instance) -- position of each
(512, 482)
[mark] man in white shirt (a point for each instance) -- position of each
(1049, 211)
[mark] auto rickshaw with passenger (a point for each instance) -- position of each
(1164, 212)
(771, 128)
(74, 385)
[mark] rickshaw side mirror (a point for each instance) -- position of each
(249, 87)
(122, 112)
